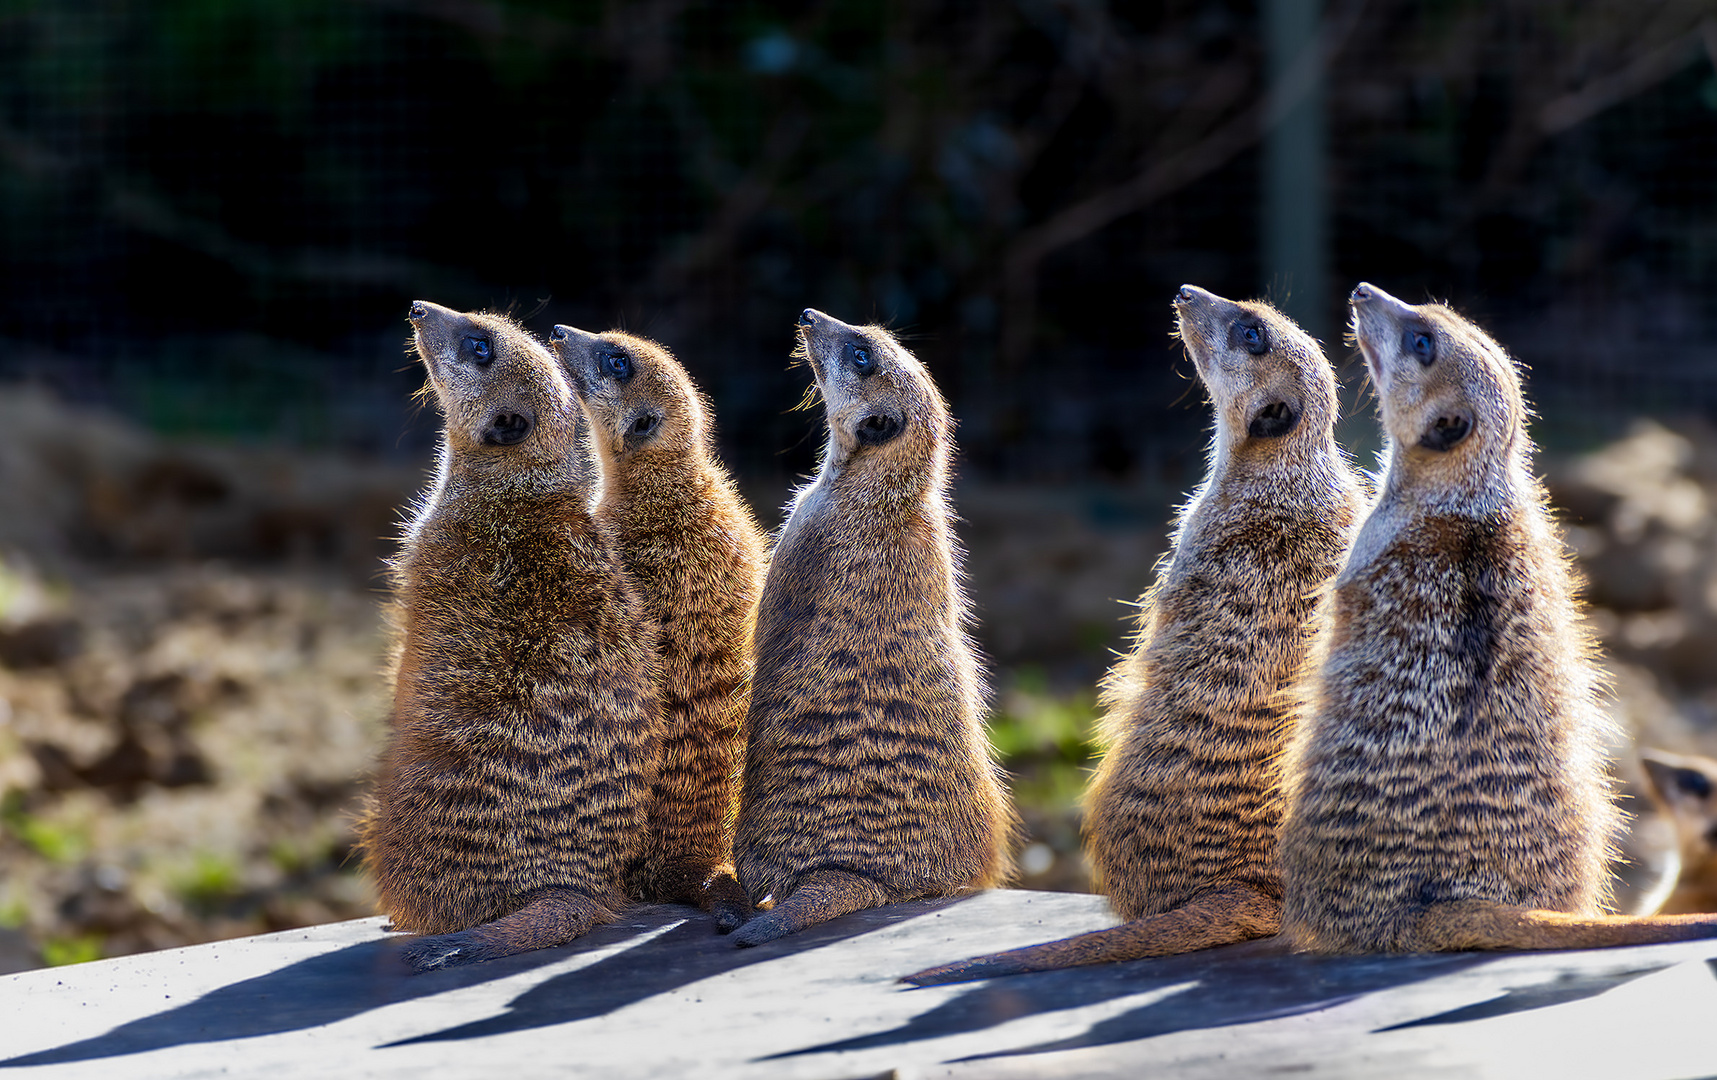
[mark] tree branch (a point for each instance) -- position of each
(1164, 176)
(1645, 72)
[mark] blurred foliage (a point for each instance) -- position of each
(59, 951)
(1045, 740)
(58, 842)
(209, 882)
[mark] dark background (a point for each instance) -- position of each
(214, 215)
(217, 213)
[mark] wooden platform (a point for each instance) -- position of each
(659, 994)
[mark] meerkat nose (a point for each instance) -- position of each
(563, 334)
(807, 317)
(1369, 295)
(419, 310)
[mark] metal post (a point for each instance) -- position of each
(1295, 227)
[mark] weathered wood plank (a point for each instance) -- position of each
(659, 994)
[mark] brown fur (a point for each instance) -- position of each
(867, 775)
(513, 795)
(1449, 789)
(1686, 786)
(1182, 814)
(697, 555)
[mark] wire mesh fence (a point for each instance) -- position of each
(215, 215)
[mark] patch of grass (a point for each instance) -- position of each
(13, 914)
(60, 951)
(1045, 740)
(288, 856)
(57, 843)
(12, 586)
(303, 854)
(209, 883)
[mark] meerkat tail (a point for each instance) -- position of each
(1460, 925)
(1223, 916)
(685, 879)
(688, 880)
(822, 895)
(725, 898)
(553, 917)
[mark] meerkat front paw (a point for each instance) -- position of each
(765, 927)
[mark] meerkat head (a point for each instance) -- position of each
(1268, 380)
(501, 394)
(1450, 395)
(1687, 787)
(640, 402)
(881, 402)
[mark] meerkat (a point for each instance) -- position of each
(510, 804)
(868, 778)
(1686, 786)
(1181, 815)
(697, 556)
(1448, 789)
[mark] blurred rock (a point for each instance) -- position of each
(46, 643)
(193, 771)
(76, 483)
(16, 952)
(1054, 574)
(1639, 515)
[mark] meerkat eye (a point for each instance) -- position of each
(478, 349)
(1249, 334)
(617, 365)
(1420, 344)
(1446, 431)
(1273, 420)
(861, 360)
(1694, 782)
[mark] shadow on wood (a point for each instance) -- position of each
(1223, 987)
(675, 946)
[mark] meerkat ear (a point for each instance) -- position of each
(878, 428)
(1447, 430)
(641, 427)
(1678, 778)
(1274, 420)
(507, 429)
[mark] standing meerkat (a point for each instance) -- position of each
(1181, 816)
(697, 556)
(1448, 789)
(510, 804)
(868, 778)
